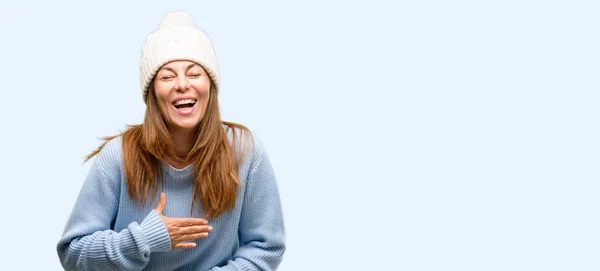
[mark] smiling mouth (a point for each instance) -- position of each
(187, 103)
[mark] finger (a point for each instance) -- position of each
(162, 202)
(184, 245)
(192, 230)
(191, 237)
(187, 222)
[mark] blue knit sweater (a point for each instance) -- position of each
(109, 231)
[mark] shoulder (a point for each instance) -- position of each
(105, 171)
(110, 157)
(239, 135)
(245, 142)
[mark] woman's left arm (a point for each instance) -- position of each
(261, 231)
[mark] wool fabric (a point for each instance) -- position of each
(177, 38)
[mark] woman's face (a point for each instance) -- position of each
(182, 89)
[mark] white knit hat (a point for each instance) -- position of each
(176, 39)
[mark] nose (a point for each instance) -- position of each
(183, 83)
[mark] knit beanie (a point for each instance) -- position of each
(176, 39)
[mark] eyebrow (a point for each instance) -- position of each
(173, 71)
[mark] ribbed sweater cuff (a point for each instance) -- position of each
(156, 233)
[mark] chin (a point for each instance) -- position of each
(186, 125)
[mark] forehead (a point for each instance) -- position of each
(179, 64)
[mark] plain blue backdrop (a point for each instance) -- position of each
(405, 135)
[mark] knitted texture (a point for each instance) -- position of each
(176, 39)
(108, 231)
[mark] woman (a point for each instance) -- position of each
(223, 210)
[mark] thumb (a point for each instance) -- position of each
(162, 202)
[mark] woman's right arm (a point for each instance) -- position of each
(88, 243)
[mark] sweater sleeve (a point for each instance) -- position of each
(261, 230)
(88, 241)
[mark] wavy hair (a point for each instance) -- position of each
(214, 159)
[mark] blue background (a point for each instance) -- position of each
(405, 135)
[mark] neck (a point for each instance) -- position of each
(183, 141)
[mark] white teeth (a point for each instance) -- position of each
(186, 101)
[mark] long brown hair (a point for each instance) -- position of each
(215, 160)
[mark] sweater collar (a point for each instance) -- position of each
(177, 173)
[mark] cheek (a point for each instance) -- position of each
(162, 94)
(161, 100)
(205, 99)
(203, 92)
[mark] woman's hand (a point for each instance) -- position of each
(182, 230)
